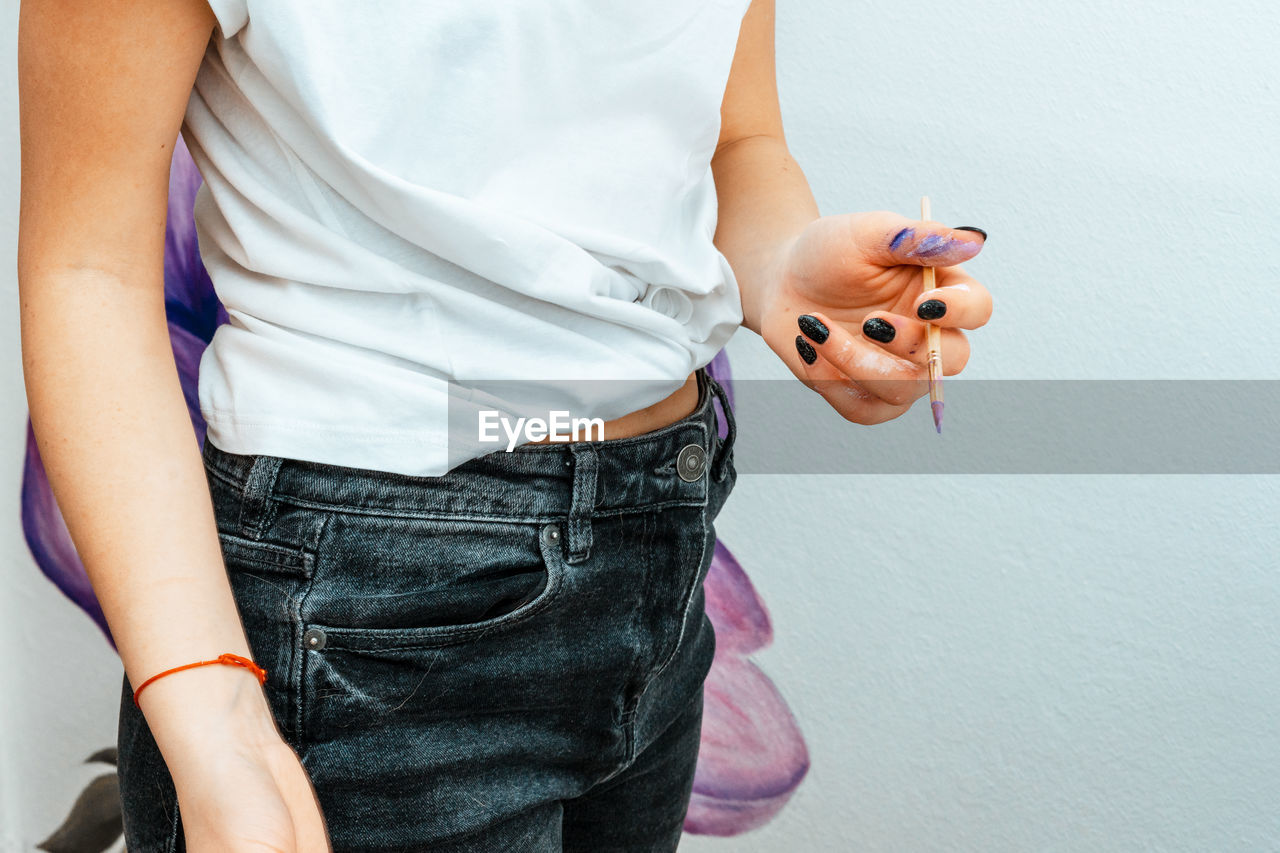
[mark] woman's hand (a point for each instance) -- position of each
(247, 792)
(845, 309)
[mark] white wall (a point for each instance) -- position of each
(1079, 663)
(1076, 663)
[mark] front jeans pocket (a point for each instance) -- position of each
(389, 582)
(414, 622)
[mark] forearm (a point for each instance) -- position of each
(764, 203)
(117, 445)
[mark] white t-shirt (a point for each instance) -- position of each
(403, 200)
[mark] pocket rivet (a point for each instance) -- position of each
(313, 639)
(551, 531)
(691, 462)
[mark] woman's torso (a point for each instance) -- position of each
(420, 212)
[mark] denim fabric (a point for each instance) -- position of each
(506, 657)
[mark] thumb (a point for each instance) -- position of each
(889, 239)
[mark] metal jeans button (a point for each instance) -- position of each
(691, 462)
(313, 639)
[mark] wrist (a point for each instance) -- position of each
(190, 711)
(761, 293)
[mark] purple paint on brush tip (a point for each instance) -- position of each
(937, 415)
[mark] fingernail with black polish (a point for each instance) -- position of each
(879, 330)
(931, 309)
(813, 328)
(807, 352)
(975, 229)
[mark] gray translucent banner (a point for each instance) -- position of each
(1021, 427)
(992, 427)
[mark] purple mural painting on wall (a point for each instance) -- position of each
(753, 756)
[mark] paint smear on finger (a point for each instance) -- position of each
(941, 249)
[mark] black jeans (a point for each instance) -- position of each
(506, 657)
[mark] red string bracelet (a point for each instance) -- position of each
(228, 657)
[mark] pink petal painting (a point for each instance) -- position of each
(753, 756)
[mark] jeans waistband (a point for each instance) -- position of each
(532, 483)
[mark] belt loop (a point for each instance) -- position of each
(586, 462)
(726, 446)
(257, 511)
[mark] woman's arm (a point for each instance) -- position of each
(103, 87)
(838, 298)
(764, 198)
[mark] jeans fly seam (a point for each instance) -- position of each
(689, 595)
(647, 533)
(702, 525)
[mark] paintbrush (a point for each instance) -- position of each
(934, 338)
